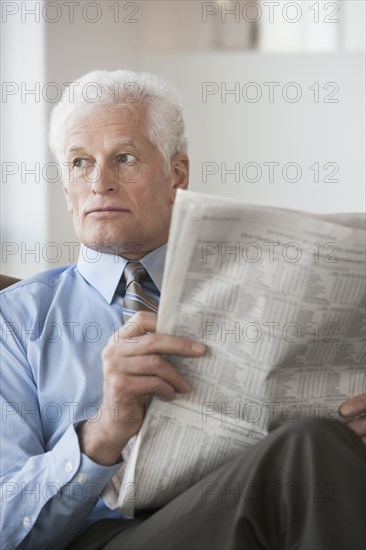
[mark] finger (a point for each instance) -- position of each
(358, 425)
(135, 386)
(148, 344)
(354, 406)
(154, 365)
(140, 323)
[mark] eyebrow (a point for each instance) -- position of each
(118, 143)
(75, 148)
(128, 143)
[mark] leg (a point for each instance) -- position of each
(300, 487)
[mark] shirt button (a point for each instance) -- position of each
(68, 467)
(26, 521)
(82, 478)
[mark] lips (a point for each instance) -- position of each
(102, 209)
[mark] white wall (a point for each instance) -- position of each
(38, 51)
(23, 144)
(222, 130)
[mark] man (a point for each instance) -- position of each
(73, 372)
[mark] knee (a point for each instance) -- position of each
(317, 430)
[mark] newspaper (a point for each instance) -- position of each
(278, 298)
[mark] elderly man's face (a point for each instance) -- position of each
(116, 188)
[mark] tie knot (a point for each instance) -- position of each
(140, 293)
(135, 272)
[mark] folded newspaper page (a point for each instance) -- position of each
(278, 298)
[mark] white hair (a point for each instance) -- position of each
(123, 89)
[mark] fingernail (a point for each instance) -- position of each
(198, 348)
(187, 387)
(346, 410)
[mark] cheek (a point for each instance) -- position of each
(75, 201)
(69, 200)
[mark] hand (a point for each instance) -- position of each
(356, 407)
(133, 367)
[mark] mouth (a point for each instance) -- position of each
(107, 210)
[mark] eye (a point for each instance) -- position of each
(77, 163)
(125, 158)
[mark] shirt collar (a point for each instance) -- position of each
(103, 271)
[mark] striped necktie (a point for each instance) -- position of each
(135, 298)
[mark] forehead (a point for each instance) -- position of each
(106, 124)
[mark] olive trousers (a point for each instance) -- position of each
(302, 487)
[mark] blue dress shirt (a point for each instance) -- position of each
(54, 327)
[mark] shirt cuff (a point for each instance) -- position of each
(94, 477)
(87, 478)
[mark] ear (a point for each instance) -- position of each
(179, 173)
(68, 200)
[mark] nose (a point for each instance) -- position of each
(102, 179)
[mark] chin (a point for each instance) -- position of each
(109, 241)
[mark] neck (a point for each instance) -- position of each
(129, 251)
